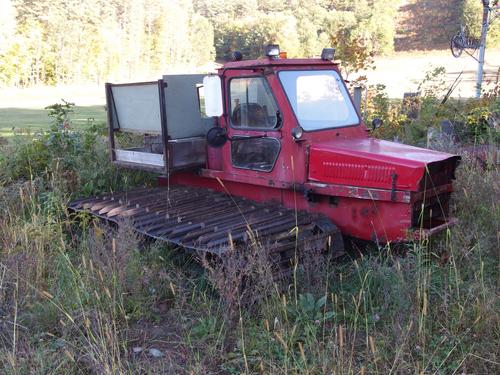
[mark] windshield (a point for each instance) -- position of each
(319, 99)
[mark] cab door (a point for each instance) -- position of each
(254, 126)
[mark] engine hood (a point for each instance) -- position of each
(375, 163)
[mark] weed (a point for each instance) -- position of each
(80, 297)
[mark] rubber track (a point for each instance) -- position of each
(204, 220)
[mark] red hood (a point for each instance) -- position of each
(369, 162)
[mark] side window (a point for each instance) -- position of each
(258, 154)
(201, 100)
(252, 103)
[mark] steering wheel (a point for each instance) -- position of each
(254, 113)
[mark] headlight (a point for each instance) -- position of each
(328, 54)
(297, 133)
(273, 51)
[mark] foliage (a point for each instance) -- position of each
(360, 29)
(90, 41)
(380, 106)
(78, 157)
(79, 297)
(310, 309)
(67, 41)
(60, 112)
(357, 30)
(410, 120)
(250, 34)
(472, 15)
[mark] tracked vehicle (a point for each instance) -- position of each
(272, 152)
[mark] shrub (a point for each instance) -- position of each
(87, 299)
(475, 121)
(78, 160)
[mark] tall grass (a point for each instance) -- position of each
(79, 297)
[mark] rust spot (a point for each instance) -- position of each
(353, 192)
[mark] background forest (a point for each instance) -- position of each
(68, 41)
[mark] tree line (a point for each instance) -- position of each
(67, 41)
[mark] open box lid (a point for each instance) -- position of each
(168, 108)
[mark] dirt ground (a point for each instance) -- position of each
(402, 71)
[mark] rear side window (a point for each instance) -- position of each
(252, 103)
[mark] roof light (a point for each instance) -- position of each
(273, 51)
(328, 54)
(283, 55)
(237, 56)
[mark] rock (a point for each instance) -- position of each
(447, 128)
(155, 353)
(137, 349)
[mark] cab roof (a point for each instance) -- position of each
(268, 62)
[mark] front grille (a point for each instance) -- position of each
(431, 211)
(439, 173)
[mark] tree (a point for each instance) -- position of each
(250, 34)
(63, 41)
(7, 25)
(472, 17)
(201, 40)
(7, 40)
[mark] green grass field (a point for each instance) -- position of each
(33, 120)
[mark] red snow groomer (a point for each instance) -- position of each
(270, 151)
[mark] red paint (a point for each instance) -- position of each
(367, 187)
(372, 162)
(362, 218)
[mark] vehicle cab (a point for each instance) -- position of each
(287, 130)
(274, 109)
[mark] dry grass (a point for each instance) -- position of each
(78, 297)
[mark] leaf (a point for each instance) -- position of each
(321, 302)
(308, 302)
(328, 315)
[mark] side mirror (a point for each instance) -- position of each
(377, 123)
(213, 96)
(217, 137)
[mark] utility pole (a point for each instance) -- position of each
(461, 41)
(482, 47)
